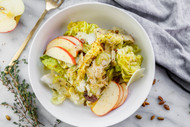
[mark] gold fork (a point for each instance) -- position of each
(50, 5)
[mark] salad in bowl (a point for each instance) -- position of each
(91, 66)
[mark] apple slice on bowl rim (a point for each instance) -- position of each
(67, 44)
(136, 75)
(10, 13)
(61, 54)
(106, 103)
(75, 40)
(125, 94)
(120, 97)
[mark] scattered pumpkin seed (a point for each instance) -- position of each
(161, 102)
(152, 117)
(160, 98)
(166, 107)
(138, 116)
(147, 103)
(160, 118)
(8, 117)
(154, 81)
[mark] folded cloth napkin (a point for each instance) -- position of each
(167, 23)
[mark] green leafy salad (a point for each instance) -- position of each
(86, 59)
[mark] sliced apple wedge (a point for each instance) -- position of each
(64, 43)
(10, 12)
(107, 101)
(61, 54)
(6, 24)
(120, 97)
(75, 40)
(125, 93)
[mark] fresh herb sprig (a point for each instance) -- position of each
(24, 101)
(57, 121)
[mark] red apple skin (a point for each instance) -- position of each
(62, 37)
(120, 97)
(120, 101)
(72, 58)
(75, 38)
(124, 98)
(10, 30)
(78, 40)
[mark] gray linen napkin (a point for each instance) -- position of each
(167, 23)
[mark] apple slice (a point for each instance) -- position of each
(120, 97)
(107, 101)
(75, 40)
(125, 93)
(64, 43)
(61, 54)
(6, 23)
(10, 12)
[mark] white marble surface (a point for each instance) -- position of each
(175, 96)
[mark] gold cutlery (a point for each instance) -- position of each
(50, 5)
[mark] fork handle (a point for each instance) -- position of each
(24, 44)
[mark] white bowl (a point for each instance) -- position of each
(106, 16)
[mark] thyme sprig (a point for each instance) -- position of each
(57, 121)
(24, 104)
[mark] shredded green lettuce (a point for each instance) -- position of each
(112, 56)
(110, 74)
(117, 68)
(63, 64)
(135, 47)
(59, 87)
(102, 57)
(76, 97)
(86, 48)
(128, 61)
(80, 26)
(71, 74)
(57, 98)
(60, 80)
(94, 51)
(109, 38)
(52, 64)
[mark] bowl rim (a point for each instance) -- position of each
(91, 3)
